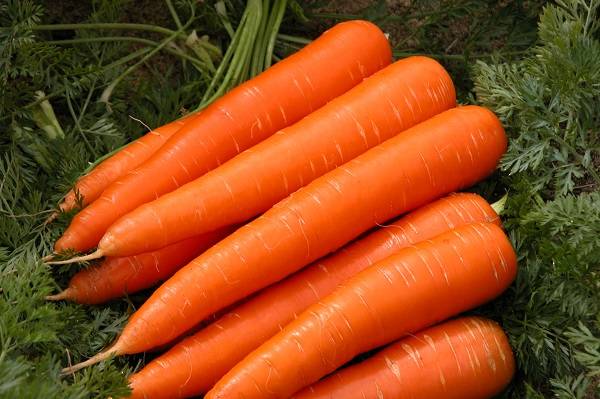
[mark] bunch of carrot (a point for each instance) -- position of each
(322, 147)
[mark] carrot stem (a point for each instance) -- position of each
(499, 205)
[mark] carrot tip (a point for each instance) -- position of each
(46, 258)
(59, 297)
(51, 218)
(100, 357)
(94, 255)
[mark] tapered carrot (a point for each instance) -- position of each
(445, 153)
(291, 89)
(383, 105)
(116, 277)
(194, 365)
(466, 358)
(89, 187)
(402, 294)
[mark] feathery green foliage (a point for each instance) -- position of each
(550, 104)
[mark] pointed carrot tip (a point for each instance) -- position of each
(94, 255)
(60, 296)
(112, 350)
(46, 258)
(51, 218)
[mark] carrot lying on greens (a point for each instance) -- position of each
(383, 105)
(194, 365)
(119, 276)
(466, 358)
(286, 92)
(89, 186)
(443, 154)
(402, 294)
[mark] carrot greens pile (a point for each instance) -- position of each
(79, 80)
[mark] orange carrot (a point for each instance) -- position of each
(467, 358)
(193, 366)
(388, 102)
(90, 186)
(415, 288)
(291, 89)
(445, 153)
(116, 277)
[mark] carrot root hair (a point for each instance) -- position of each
(106, 354)
(94, 255)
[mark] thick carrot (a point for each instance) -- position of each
(466, 358)
(402, 294)
(119, 276)
(445, 153)
(386, 103)
(89, 187)
(291, 89)
(194, 365)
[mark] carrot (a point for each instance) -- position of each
(119, 276)
(332, 64)
(466, 358)
(417, 287)
(193, 366)
(89, 187)
(388, 102)
(445, 153)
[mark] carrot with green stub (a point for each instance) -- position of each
(195, 364)
(286, 92)
(448, 152)
(402, 294)
(119, 276)
(383, 105)
(466, 358)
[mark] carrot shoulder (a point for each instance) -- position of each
(402, 294)
(193, 366)
(466, 358)
(291, 89)
(445, 153)
(383, 105)
(119, 276)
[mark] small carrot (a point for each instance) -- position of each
(286, 92)
(402, 294)
(193, 366)
(466, 358)
(445, 153)
(119, 276)
(89, 187)
(383, 105)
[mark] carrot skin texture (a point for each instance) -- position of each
(418, 287)
(91, 185)
(383, 105)
(119, 276)
(193, 366)
(466, 358)
(448, 152)
(280, 96)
